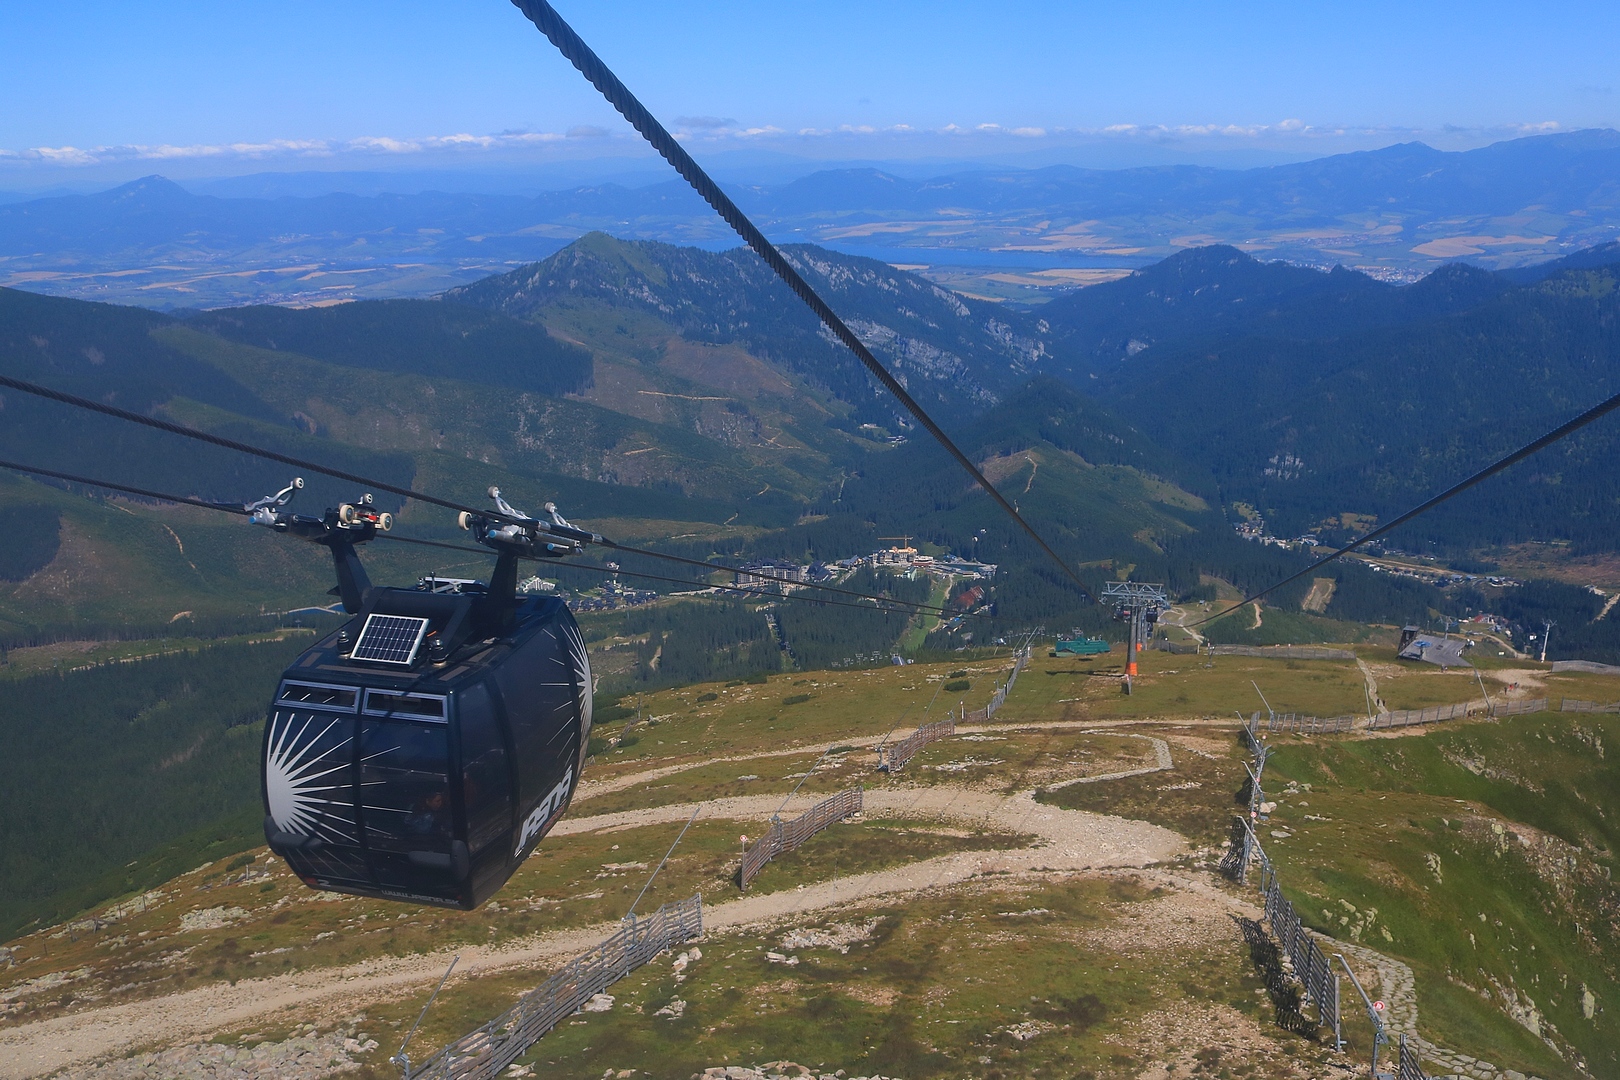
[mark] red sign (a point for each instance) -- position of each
(1378, 1006)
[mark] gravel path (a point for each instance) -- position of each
(590, 789)
(1398, 990)
(1071, 840)
(1161, 753)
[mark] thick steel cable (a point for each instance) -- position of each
(1596, 412)
(271, 455)
(927, 609)
(761, 595)
(899, 607)
(574, 49)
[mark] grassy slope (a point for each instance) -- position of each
(1392, 803)
(529, 432)
(1480, 854)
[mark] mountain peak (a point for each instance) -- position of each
(148, 193)
(154, 184)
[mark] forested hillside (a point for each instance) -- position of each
(677, 398)
(1350, 418)
(111, 762)
(681, 397)
(1210, 293)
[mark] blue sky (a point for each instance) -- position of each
(215, 88)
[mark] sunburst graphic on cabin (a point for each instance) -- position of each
(304, 777)
(575, 660)
(582, 672)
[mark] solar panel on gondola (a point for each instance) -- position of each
(390, 639)
(422, 750)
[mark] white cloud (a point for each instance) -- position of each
(716, 130)
(706, 123)
(288, 148)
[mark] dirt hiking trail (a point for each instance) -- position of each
(1068, 840)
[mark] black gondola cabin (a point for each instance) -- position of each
(421, 751)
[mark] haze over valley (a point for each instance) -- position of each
(1023, 234)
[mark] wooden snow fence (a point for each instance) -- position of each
(1311, 966)
(1519, 708)
(1435, 713)
(784, 836)
(482, 1054)
(1409, 1066)
(1300, 724)
(1576, 705)
(982, 716)
(1283, 652)
(894, 758)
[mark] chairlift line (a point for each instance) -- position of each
(574, 49)
(422, 750)
(900, 606)
(254, 451)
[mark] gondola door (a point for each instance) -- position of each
(486, 789)
(407, 803)
(540, 691)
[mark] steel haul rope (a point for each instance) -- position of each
(544, 16)
(899, 607)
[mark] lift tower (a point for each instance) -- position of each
(1140, 605)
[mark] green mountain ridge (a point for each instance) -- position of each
(955, 354)
(693, 406)
(1213, 292)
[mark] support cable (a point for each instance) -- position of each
(630, 550)
(400, 1058)
(789, 797)
(242, 447)
(231, 508)
(593, 568)
(380, 485)
(574, 49)
(634, 903)
(1596, 412)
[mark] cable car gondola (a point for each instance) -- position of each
(422, 750)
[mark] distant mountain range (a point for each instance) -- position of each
(680, 395)
(1396, 213)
